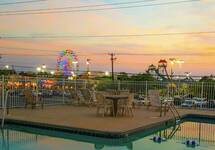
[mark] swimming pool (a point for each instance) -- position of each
(17, 137)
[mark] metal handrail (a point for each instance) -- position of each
(174, 110)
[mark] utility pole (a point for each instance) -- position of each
(112, 64)
(0, 59)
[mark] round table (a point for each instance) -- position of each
(115, 99)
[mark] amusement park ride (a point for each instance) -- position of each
(67, 63)
(161, 70)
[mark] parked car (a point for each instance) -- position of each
(199, 102)
(47, 93)
(56, 93)
(138, 100)
(188, 103)
(188, 96)
(178, 100)
(210, 104)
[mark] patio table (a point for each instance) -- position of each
(115, 99)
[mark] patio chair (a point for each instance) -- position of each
(111, 91)
(103, 104)
(125, 107)
(124, 92)
(88, 96)
(74, 97)
(31, 100)
(155, 101)
(139, 100)
(80, 97)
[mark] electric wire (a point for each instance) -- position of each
(99, 9)
(21, 2)
(75, 7)
(51, 36)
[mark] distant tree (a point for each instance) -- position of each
(30, 74)
(7, 72)
(122, 76)
(207, 79)
(103, 78)
(142, 77)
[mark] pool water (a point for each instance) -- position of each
(173, 138)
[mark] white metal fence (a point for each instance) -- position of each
(53, 91)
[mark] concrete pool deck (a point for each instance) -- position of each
(86, 118)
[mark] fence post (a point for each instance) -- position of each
(179, 85)
(168, 91)
(37, 88)
(3, 87)
(146, 89)
(119, 87)
(63, 88)
(75, 83)
(202, 90)
(85, 84)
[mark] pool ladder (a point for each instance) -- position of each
(175, 113)
(4, 107)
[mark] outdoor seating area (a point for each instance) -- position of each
(115, 103)
(108, 99)
(32, 100)
(107, 103)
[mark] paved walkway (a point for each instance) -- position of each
(84, 117)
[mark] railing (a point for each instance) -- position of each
(54, 91)
(203, 133)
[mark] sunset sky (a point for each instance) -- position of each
(197, 50)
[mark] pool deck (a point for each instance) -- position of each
(86, 118)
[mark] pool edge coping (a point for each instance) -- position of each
(104, 134)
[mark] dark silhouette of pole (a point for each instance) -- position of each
(112, 64)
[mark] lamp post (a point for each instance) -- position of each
(52, 73)
(88, 68)
(107, 73)
(75, 63)
(74, 73)
(113, 59)
(172, 62)
(43, 68)
(38, 69)
(7, 66)
(188, 74)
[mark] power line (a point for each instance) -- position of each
(104, 36)
(35, 55)
(74, 7)
(30, 49)
(100, 9)
(119, 54)
(21, 2)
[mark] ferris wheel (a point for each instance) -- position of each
(66, 62)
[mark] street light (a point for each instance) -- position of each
(107, 73)
(73, 74)
(44, 66)
(88, 67)
(175, 61)
(188, 74)
(75, 62)
(7, 66)
(39, 69)
(87, 62)
(52, 72)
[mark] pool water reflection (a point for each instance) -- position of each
(23, 138)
